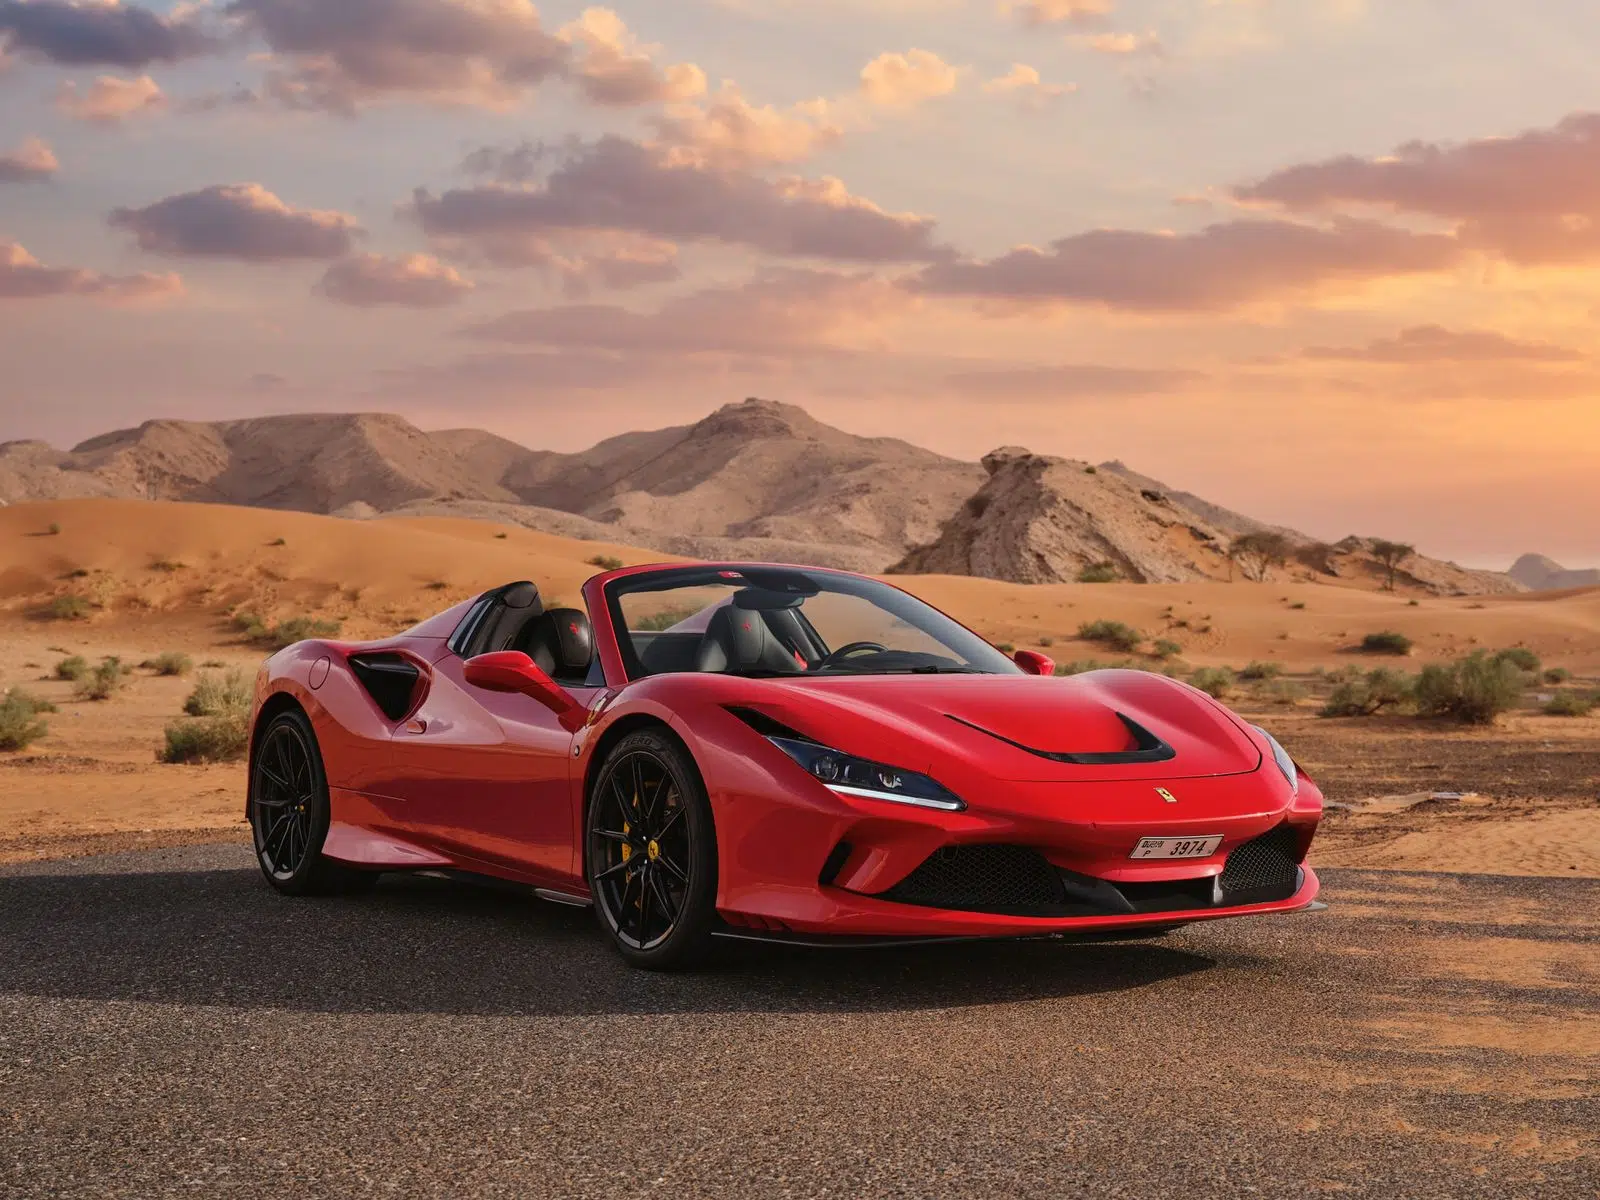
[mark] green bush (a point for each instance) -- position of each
(166, 565)
(1079, 666)
(1557, 675)
(1166, 648)
(1216, 682)
(663, 620)
(1005, 647)
(218, 695)
(1100, 572)
(606, 562)
(207, 739)
(278, 542)
(1111, 633)
(103, 682)
(1473, 690)
(285, 633)
(1520, 657)
(1261, 671)
(1368, 694)
(1286, 692)
(1047, 642)
(53, 528)
(20, 726)
(69, 608)
(1570, 704)
(172, 662)
(1386, 642)
(73, 668)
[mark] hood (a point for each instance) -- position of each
(1103, 725)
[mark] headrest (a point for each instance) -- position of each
(561, 641)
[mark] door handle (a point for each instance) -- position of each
(416, 725)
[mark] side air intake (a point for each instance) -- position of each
(391, 681)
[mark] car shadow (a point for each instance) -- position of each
(424, 945)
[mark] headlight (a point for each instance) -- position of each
(1285, 763)
(851, 776)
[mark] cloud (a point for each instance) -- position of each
(1057, 12)
(1070, 380)
(30, 162)
(1533, 198)
(906, 80)
(242, 221)
(1023, 82)
(1436, 344)
(109, 100)
(1219, 267)
(23, 277)
(81, 33)
(612, 70)
(728, 131)
(619, 185)
(342, 55)
(405, 281)
(782, 314)
(1121, 45)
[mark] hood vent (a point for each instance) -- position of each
(1147, 747)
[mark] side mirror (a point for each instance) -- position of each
(514, 671)
(1034, 663)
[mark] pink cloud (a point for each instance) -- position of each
(406, 281)
(109, 99)
(30, 162)
(1436, 344)
(242, 221)
(24, 277)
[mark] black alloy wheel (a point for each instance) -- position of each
(651, 853)
(289, 811)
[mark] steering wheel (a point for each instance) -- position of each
(849, 649)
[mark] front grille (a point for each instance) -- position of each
(1261, 869)
(997, 879)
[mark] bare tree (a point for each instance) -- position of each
(1257, 553)
(1390, 555)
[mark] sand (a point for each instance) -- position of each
(167, 576)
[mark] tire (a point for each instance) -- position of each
(289, 812)
(651, 853)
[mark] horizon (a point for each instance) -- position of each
(1250, 249)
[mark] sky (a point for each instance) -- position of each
(1333, 263)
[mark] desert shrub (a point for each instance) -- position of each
(1258, 552)
(606, 562)
(1166, 648)
(1261, 671)
(1386, 642)
(77, 573)
(1100, 572)
(1080, 665)
(278, 542)
(74, 668)
(52, 529)
(166, 565)
(500, 537)
(1298, 605)
(1570, 704)
(1557, 675)
(665, 619)
(1318, 556)
(69, 608)
(1111, 633)
(1005, 647)
(1520, 657)
(103, 682)
(216, 695)
(1367, 694)
(1089, 471)
(207, 739)
(1286, 692)
(171, 662)
(1473, 690)
(1047, 641)
(20, 726)
(284, 633)
(1216, 682)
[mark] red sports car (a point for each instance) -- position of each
(769, 752)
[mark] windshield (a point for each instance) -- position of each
(771, 621)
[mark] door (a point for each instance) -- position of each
(487, 775)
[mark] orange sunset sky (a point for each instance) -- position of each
(1335, 263)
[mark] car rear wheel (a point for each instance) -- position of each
(652, 853)
(289, 812)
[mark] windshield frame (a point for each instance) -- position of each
(898, 602)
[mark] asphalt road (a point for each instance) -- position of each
(168, 1026)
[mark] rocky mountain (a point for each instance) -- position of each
(756, 480)
(1039, 519)
(1541, 574)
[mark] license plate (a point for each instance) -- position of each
(1176, 847)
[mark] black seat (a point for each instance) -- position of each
(740, 639)
(512, 610)
(561, 642)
